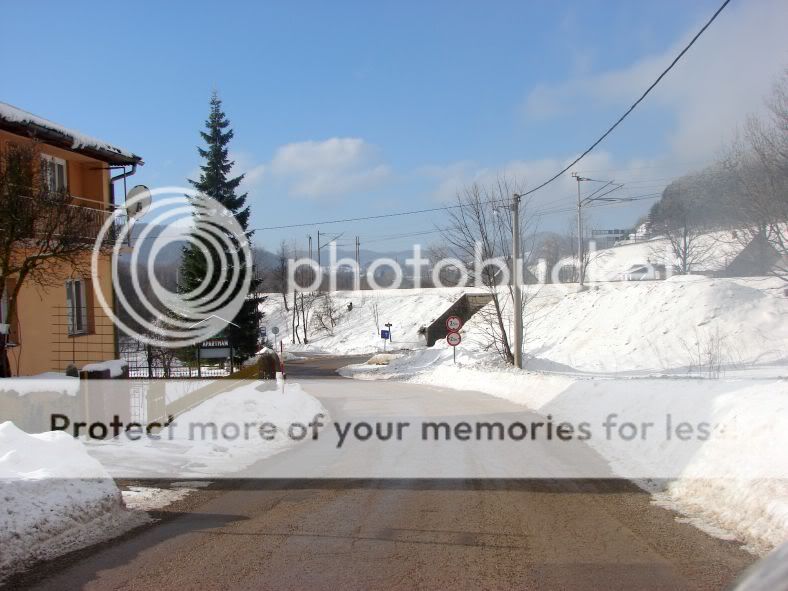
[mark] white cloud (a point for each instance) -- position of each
(725, 76)
(453, 177)
(331, 167)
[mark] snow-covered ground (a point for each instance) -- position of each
(653, 327)
(358, 330)
(714, 251)
(632, 348)
(56, 498)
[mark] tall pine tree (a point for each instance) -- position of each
(215, 182)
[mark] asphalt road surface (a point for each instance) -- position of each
(404, 534)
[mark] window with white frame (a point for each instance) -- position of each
(55, 172)
(76, 307)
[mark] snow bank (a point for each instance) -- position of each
(220, 437)
(56, 498)
(49, 381)
(115, 367)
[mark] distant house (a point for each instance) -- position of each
(757, 258)
(63, 325)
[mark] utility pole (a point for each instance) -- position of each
(516, 282)
(595, 196)
(580, 253)
(319, 248)
(358, 262)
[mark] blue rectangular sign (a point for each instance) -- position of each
(385, 334)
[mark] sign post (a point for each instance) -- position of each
(275, 330)
(386, 334)
(453, 338)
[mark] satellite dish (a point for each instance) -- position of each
(138, 202)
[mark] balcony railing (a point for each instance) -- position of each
(78, 221)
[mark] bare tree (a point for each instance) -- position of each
(679, 222)
(374, 310)
(279, 272)
(45, 237)
(481, 225)
(160, 356)
(326, 313)
(759, 160)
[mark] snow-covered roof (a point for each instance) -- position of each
(18, 121)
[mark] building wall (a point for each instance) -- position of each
(88, 178)
(44, 344)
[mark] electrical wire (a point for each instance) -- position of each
(634, 105)
(552, 178)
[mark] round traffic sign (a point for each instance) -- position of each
(453, 323)
(453, 338)
(275, 330)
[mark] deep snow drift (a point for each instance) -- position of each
(56, 498)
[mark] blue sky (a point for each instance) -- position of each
(357, 108)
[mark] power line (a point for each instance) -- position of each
(552, 178)
(635, 104)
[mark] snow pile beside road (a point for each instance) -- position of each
(49, 381)
(220, 437)
(55, 498)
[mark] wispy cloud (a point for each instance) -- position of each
(724, 77)
(319, 169)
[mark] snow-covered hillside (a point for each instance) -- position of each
(712, 252)
(612, 327)
(358, 330)
(656, 326)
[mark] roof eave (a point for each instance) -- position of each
(66, 142)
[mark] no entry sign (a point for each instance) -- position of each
(453, 323)
(453, 338)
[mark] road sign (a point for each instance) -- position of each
(275, 330)
(453, 338)
(263, 331)
(453, 323)
(385, 334)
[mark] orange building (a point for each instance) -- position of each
(62, 325)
